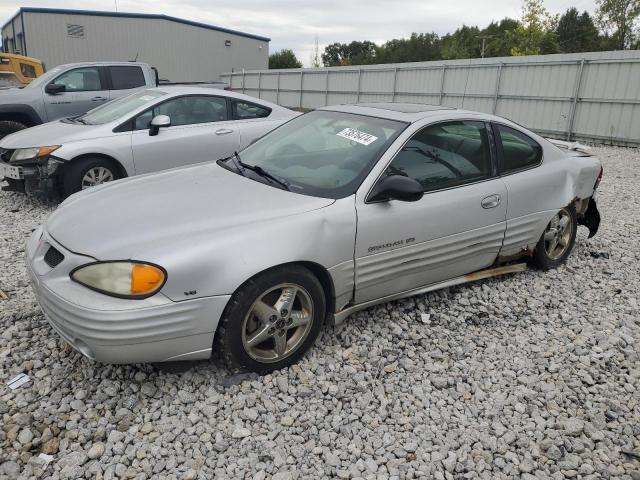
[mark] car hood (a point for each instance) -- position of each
(129, 218)
(52, 133)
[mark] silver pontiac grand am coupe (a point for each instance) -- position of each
(334, 211)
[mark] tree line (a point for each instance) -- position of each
(537, 32)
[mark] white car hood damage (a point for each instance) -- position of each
(127, 218)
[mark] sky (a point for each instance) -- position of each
(295, 24)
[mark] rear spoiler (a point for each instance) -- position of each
(575, 146)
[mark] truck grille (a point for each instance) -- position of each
(53, 257)
(5, 154)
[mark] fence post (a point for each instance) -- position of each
(243, 80)
(301, 85)
(326, 89)
(278, 89)
(444, 71)
(574, 102)
(358, 91)
(497, 93)
(259, 84)
(395, 79)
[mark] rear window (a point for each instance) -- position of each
(518, 151)
(125, 76)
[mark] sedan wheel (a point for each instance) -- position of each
(271, 320)
(97, 176)
(277, 323)
(558, 239)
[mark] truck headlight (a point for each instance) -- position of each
(32, 153)
(125, 279)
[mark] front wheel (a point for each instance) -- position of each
(558, 239)
(87, 173)
(272, 320)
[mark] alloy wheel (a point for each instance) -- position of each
(96, 176)
(557, 236)
(277, 323)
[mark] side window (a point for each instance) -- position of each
(83, 79)
(518, 151)
(186, 111)
(124, 77)
(246, 110)
(445, 155)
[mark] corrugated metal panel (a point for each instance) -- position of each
(180, 52)
(537, 91)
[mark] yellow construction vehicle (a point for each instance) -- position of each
(18, 70)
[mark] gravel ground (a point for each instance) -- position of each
(533, 376)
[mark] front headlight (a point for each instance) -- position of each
(124, 279)
(21, 154)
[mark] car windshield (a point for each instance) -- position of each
(44, 78)
(322, 153)
(115, 109)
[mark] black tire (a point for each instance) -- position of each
(9, 126)
(76, 171)
(541, 257)
(228, 342)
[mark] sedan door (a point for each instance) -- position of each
(84, 91)
(200, 131)
(456, 228)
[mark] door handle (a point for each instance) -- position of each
(98, 99)
(491, 201)
(224, 131)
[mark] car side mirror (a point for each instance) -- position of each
(396, 187)
(54, 88)
(158, 122)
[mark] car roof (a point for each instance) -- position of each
(404, 112)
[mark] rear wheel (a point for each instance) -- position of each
(87, 173)
(272, 320)
(557, 241)
(9, 126)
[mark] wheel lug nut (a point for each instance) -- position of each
(284, 312)
(273, 318)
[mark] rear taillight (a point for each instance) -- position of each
(599, 178)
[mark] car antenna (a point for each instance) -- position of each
(136, 57)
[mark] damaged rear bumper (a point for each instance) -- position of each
(591, 217)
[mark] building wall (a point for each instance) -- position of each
(589, 96)
(180, 52)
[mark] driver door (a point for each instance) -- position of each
(84, 91)
(456, 228)
(200, 131)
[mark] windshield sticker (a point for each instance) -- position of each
(357, 136)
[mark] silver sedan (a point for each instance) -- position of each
(334, 211)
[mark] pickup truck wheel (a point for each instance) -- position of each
(558, 239)
(272, 320)
(88, 172)
(9, 126)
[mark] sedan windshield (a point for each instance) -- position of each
(115, 109)
(323, 153)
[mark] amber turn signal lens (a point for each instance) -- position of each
(145, 279)
(44, 151)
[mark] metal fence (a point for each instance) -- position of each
(591, 96)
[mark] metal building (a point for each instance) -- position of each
(181, 50)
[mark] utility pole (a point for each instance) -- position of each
(484, 38)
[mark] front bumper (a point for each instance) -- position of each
(113, 330)
(31, 178)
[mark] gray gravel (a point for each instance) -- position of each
(533, 376)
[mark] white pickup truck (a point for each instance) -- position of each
(73, 89)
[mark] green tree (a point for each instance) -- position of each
(463, 43)
(354, 53)
(535, 35)
(577, 33)
(499, 34)
(618, 18)
(417, 48)
(285, 58)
